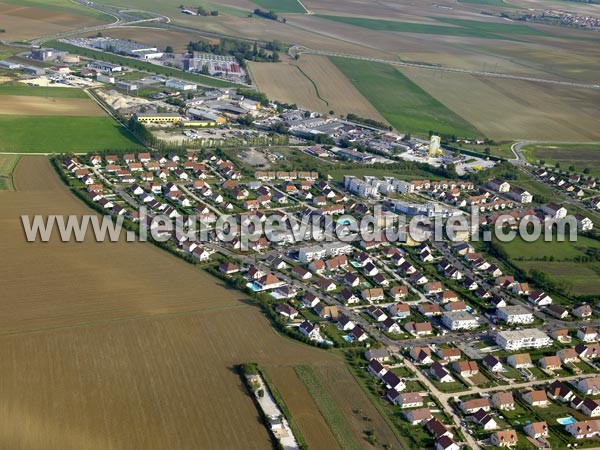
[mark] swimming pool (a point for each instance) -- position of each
(254, 287)
(566, 420)
(347, 338)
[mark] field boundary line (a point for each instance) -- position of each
(313, 83)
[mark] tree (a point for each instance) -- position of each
(487, 151)
(557, 165)
(331, 112)
(572, 168)
(586, 170)
(169, 49)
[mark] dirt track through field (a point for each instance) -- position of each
(123, 346)
(48, 106)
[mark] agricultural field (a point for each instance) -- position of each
(42, 91)
(557, 259)
(281, 6)
(405, 105)
(579, 155)
(140, 352)
(7, 166)
(498, 3)
(52, 134)
(506, 109)
(33, 18)
(447, 27)
(312, 82)
(48, 106)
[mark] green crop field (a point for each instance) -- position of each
(327, 407)
(140, 65)
(581, 156)
(558, 259)
(55, 134)
(7, 167)
(499, 3)
(40, 91)
(280, 6)
(462, 28)
(404, 104)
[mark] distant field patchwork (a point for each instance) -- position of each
(461, 28)
(406, 106)
(498, 3)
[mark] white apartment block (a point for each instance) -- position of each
(521, 339)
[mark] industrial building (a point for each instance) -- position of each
(124, 47)
(214, 64)
(9, 65)
(104, 67)
(159, 118)
(181, 85)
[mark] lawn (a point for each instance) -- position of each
(404, 104)
(56, 134)
(281, 6)
(462, 28)
(41, 91)
(327, 407)
(581, 156)
(520, 249)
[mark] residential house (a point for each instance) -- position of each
(310, 330)
(503, 401)
(326, 311)
(438, 372)
(449, 354)
(437, 429)
(287, 311)
(587, 334)
(344, 323)
(550, 363)
(492, 363)
(399, 310)
(474, 405)
(418, 416)
(520, 361)
(504, 438)
(589, 386)
(419, 328)
(536, 430)
(376, 369)
(421, 355)
(585, 429)
(406, 399)
(560, 391)
(373, 295)
(590, 407)
(536, 397)
(484, 420)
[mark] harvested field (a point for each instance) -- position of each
(514, 109)
(49, 106)
(24, 21)
(313, 82)
(312, 425)
(125, 346)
